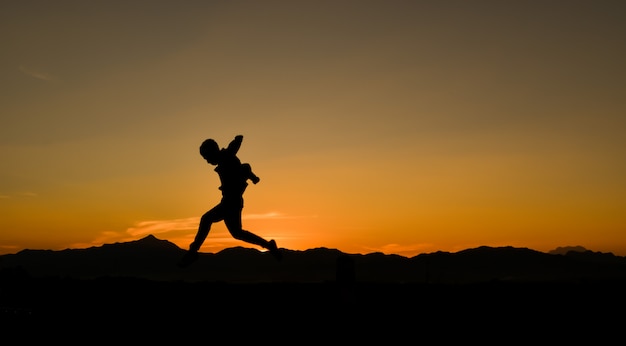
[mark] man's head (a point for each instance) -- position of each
(210, 151)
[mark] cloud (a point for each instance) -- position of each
(179, 231)
(35, 74)
(272, 216)
(8, 248)
(265, 216)
(144, 228)
(106, 237)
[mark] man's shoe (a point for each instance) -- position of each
(274, 250)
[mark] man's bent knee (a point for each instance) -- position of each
(208, 218)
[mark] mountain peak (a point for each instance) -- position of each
(149, 242)
(149, 238)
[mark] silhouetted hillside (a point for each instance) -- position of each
(135, 291)
(154, 259)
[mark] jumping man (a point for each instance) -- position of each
(233, 177)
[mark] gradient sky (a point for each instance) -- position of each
(402, 127)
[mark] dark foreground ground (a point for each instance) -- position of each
(131, 310)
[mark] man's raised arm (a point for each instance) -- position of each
(235, 144)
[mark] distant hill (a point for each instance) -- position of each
(155, 259)
(565, 249)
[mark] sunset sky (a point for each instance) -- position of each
(403, 127)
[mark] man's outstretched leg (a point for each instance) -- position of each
(233, 224)
(203, 231)
(252, 238)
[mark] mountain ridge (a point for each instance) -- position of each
(155, 259)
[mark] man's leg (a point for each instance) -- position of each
(232, 220)
(211, 216)
(233, 224)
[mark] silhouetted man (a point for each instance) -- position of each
(233, 177)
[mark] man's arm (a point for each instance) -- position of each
(235, 144)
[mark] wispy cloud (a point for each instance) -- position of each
(8, 248)
(265, 216)
(144, 228)
(179, 231)
(269, 216)
(107, 237)
(35, 74)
